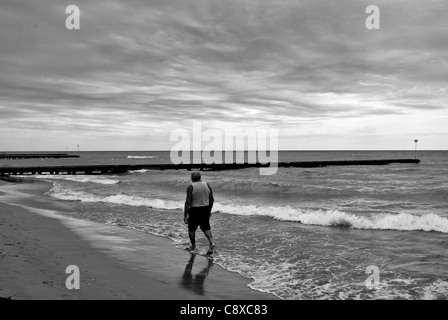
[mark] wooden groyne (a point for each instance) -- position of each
(114, 169)
(36, 155)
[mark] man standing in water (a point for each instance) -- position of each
(198, 209)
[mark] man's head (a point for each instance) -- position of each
(195, 176)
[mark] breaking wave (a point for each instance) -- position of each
(139, 171)
(75, 178)
(332, 218)
(335, 218)
(142, 157)
(62, 193)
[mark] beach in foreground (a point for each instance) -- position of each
(37, 246)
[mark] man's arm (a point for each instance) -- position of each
(188, 202)
(211, 199)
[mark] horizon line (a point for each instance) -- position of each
(252, 150)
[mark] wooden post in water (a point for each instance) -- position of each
(415, 154)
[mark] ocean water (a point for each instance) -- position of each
(303, 233)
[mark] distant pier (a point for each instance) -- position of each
(114, 169)
(36, 155)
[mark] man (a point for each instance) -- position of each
(198, 208)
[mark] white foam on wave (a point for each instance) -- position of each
(83, 179)
(141, 202)
(59, 192)
(139, 171)
(62, 193)
(401, 222)
(332, 218)
(76, 178)
(436, 290)
(141, 157)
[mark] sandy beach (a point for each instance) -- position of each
(37, 245)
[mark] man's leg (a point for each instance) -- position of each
(208, 234)
(192, 235)
(192, 227)
(205, 227)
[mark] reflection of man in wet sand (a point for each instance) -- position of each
(196, 283)
(198, 208)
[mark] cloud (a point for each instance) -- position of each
(143, 68)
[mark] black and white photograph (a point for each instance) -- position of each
(223, 155)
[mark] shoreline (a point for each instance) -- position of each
(36, 247)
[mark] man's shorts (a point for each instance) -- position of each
(199, 216)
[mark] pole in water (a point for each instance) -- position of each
(416, 141)
(78, 149)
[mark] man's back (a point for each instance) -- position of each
(200, 194)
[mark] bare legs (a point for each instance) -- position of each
(208, 234)
(192, 235)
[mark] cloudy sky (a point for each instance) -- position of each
(138, 69)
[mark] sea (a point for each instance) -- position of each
(342, 232)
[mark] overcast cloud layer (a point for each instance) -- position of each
(136, 70)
